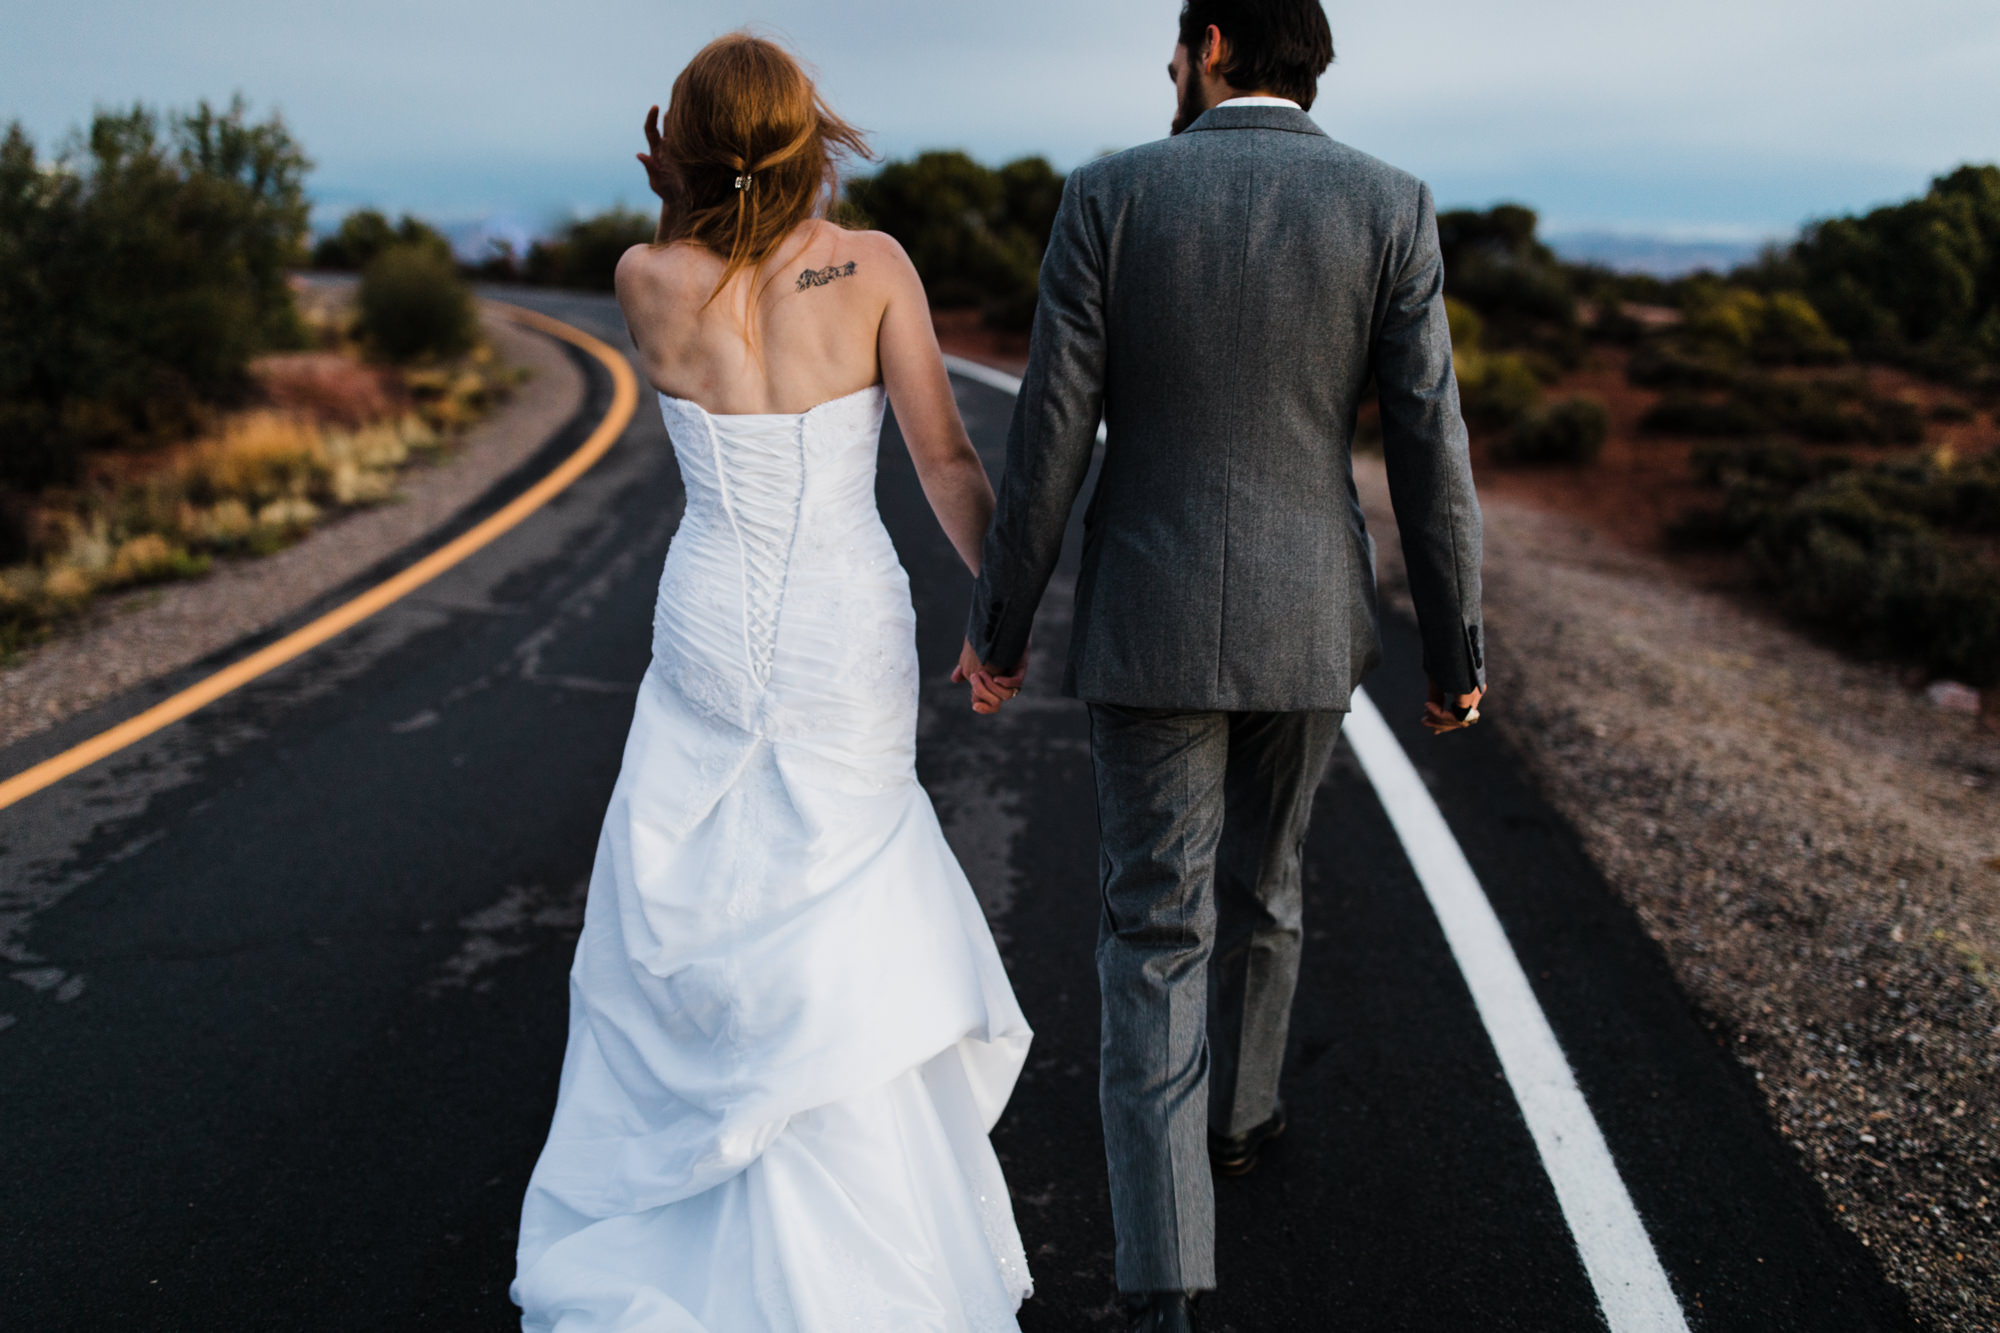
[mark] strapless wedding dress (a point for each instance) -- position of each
(790, 1032)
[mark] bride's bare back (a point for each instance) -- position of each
(829, 313)
(822, 317)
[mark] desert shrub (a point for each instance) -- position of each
(1468, 331)
(1884, 558)
(585, 253)
(366, 233)
(151, 558)
(1737, 323)
(139, 272)
(1494, 263)
(974, 234)
(500, 262)
(1683, 413)
(1611, 321)
(413, 304)
(1661, 363)
(1882, 581)
(1571, 431)
(1496, 389)
(328, 387)
(1831, 409)
(1919, 278)
(1823, 410)
(1763, 461)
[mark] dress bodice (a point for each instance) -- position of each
(780, 558)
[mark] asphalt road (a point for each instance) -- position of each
(285, 984)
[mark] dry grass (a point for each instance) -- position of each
(332, 435)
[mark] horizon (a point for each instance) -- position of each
(1613, 126)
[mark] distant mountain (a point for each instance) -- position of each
(1662, 256)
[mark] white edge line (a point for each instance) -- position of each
(1631, 1286)
(1624, 1270)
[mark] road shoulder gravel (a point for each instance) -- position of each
(1813, 846)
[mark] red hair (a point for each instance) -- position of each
(756, 148)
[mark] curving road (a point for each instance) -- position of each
(285, 984)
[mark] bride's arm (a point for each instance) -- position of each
(953, 478)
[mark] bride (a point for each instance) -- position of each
(789, 1028)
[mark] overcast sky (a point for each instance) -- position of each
(1726, 118)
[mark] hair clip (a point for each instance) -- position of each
(743, 182)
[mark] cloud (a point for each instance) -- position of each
(1696, 113)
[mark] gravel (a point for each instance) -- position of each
(1813, 844)
(130, 638)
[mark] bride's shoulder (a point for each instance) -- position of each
(667, 266)
(875, 257)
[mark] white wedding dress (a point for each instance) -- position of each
(790, 1032)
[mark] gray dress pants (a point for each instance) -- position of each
(1201, 819)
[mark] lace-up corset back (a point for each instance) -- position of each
(782, 605)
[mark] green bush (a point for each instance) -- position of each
(366, 233)
(974, 234)
(1826, 410)
(1494, 264)
(1734, 323)
(1571, 432)
(1763, 461)
(1496, 389)
(1690, 414)
(139, 272)
(1917, 280)
(413, 304)
(1662, 363)
(1882, 581)
(585, 253)
(1878, 556)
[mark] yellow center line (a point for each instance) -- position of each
(624, 401)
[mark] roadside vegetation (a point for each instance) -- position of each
(1816, 433)
(1815, 394)
(1808, 390)
(166, 396)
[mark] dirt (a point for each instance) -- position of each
(1811, 842)
(1642, 481)
(964, 333)
(133, 637)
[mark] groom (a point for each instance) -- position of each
(1222, 299)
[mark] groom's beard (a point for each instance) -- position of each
(1193, 103)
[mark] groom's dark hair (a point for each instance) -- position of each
(1276, 46)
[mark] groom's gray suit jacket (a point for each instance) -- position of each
(1222, 299)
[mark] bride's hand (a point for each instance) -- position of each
(1456, 713)
(990, 689)
(660, 173)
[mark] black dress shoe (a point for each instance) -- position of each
(1236, 1156)
(1160, 1312)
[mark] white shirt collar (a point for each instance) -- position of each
(1258, 101)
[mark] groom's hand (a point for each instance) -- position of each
(990, 688)
(1454, 714)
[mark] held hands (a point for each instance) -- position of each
(990, 689)
(1456, 714)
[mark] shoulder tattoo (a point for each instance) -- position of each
(820, 277)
